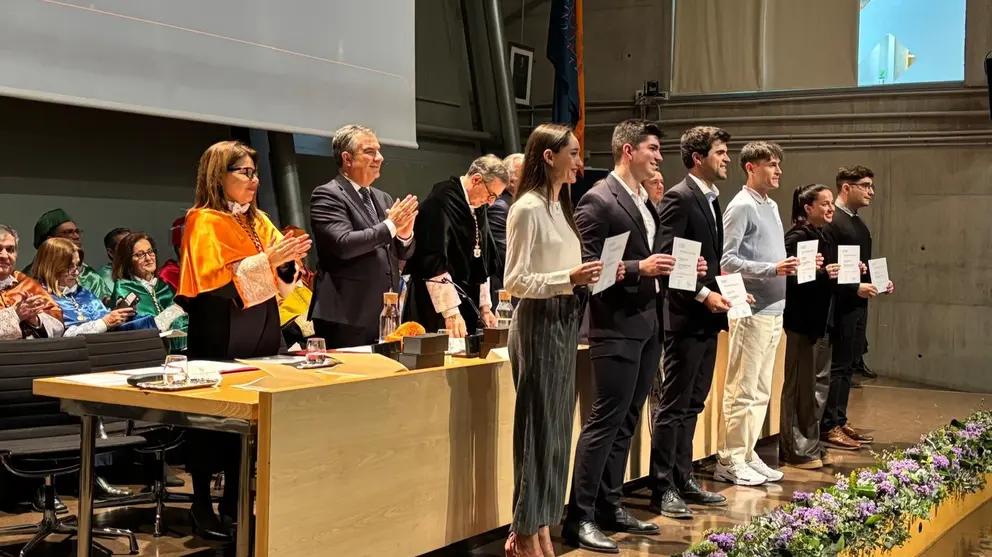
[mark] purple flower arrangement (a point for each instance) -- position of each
(872, 508)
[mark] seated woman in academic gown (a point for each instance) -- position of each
(135, 261)
(56, 267)
(231, 257)
(26, 310)
(456, 252)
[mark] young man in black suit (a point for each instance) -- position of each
(691, 320)
(360, 234)
(624, 336)
(855, 190)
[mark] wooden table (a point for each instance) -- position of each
(367, 461)
(423, 454)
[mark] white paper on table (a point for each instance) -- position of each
(613, 249)
(732, 288)
(849, 258)
(806, 252)
(686, 253)
(879, 270)
(499, 354)
(356, 349)
(99, 379)
(193, 368)
(172, 333)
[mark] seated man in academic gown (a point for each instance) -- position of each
(26, 310)
(169, 273)
(456, 253)
(58, 224)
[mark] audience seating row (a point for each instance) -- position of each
(39, 441)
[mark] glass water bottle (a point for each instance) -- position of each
(389, 319)
(504, 310)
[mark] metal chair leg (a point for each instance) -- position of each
(19, 530)
(118, 533)
(44, 530)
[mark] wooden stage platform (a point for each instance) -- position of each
(896, 415)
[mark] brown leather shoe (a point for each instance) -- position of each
(826, 458)
(837, 439)
(858, 436)
(808, 465)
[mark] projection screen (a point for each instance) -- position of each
(298, 66)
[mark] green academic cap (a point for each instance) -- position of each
(46, 225)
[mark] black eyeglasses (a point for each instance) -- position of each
(865, 186)
(248, 171)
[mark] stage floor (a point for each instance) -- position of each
(896, 413)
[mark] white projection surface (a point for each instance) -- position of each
(298, 66)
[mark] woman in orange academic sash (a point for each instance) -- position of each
(232, 258)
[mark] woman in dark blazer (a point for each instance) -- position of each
(807, 350)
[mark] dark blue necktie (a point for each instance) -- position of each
(369, 207)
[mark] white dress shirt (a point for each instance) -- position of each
(389, 222)
(711, 193)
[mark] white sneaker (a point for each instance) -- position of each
(768, 472)
(738, 473)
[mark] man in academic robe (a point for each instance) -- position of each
(110, 241)
(58, 224)
(26, 310)
(169, 273)
(361, 235)
(497, 213)
(456, 253)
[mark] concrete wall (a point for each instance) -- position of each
(931, 152)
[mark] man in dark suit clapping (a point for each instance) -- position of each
(692, 322)
(360, 234)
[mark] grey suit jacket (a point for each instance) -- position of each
(358, 259)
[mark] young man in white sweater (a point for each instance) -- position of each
(754, 246)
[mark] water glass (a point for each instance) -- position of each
(316, 351)
(175, 370)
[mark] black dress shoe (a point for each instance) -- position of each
(588, 536)
(866, 371)
(671, 505)
(206, 524)
(38, 503)
(623, 521)
(103, 490)
(694, 493)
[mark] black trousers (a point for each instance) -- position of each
(622, 372)
(804, 395)
(339, 335)
(689, 362)
(848, 335)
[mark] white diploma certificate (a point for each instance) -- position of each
(732, 288)
(849, 258)
(806, 252)
(879, 270)
(686, 253)
(612, 256)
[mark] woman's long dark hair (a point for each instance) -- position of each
(803, 196)
(536, 174)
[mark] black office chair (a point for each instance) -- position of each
(120, 351)
(37, 440)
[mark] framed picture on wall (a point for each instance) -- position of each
(521, 71)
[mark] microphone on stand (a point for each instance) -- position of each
(465, 297)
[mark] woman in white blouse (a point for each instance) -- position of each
(544, 270)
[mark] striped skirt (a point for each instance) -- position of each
(543, 339)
